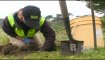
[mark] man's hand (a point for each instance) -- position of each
(27, 40)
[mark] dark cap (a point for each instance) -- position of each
(31, 16)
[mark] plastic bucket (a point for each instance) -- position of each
(82, 30)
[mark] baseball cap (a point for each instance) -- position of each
(31, 16)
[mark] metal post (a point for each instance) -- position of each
(94, 25)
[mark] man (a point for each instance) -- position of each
(22, 25)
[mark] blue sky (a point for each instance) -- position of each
(77, 8)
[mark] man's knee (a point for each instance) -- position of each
(16, 42)
(38, 40)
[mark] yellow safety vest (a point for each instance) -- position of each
(19, 31)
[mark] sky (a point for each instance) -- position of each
(77, 8)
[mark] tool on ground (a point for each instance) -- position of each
(72, 46)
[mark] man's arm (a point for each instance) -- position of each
(49, 35)
(7, 28)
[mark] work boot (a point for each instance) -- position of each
(48, 46)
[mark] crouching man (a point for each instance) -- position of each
(22, 26)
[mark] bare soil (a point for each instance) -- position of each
(9, 49)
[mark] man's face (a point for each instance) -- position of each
(22, 19)
(20, 16)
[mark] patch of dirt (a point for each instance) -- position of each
(14, 50)
(20, 53)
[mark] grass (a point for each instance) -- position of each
(60, 36)
(56, 55)
(3, 38)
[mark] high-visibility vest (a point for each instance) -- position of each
(19, 31)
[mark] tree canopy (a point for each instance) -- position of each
(99, 6)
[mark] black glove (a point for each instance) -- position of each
(48, 46)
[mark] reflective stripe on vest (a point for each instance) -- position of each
(19, 31)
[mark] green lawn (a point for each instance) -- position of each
(60, 36)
